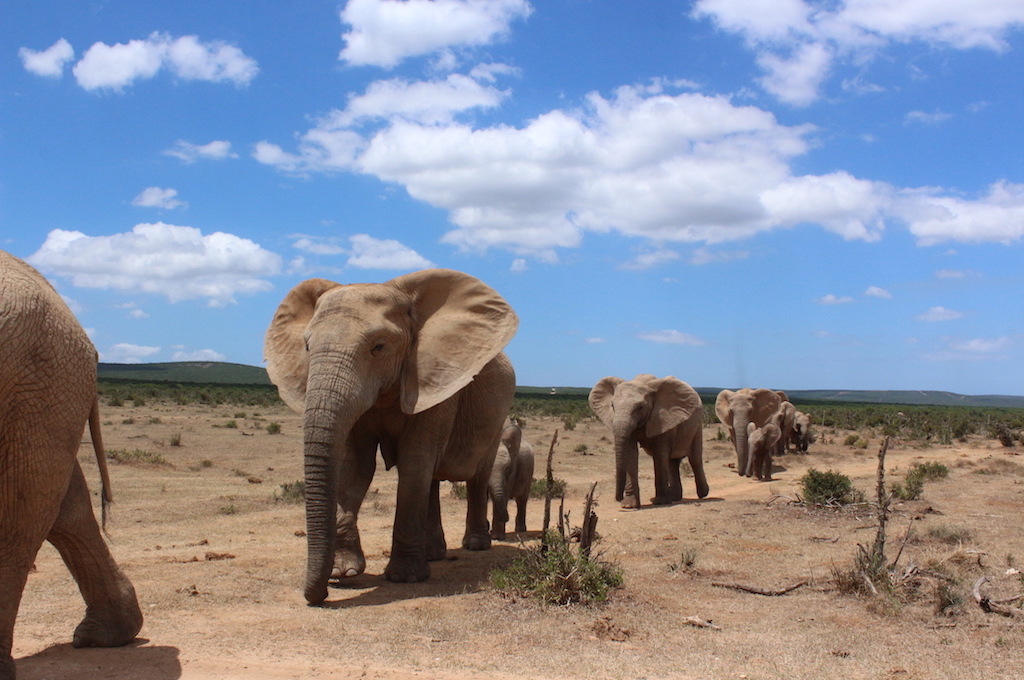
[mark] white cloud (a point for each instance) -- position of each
(127, 353)
(831, 299)
(117, 66)
(595, 341)
(981, 345)
(216, 150)
(155, 197)
(950, 274)
(925, 118)
(702, 256)
(177, 262)
(137, 314)
(384, 32)
(319, 246)
(996, 217)
(373, 253)
(519, 266)
(875, 291)
(198, 355)
(50, 62)
(650, 260)
(939, 314)
(671, 337)
(426, 102)
(797, 42)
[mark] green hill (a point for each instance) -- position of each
(205, 372)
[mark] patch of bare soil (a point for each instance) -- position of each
(218, 565)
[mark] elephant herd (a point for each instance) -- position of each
(413, 368)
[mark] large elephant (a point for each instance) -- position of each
(801, 431)
(664, 416)
(47, 395)
(511, 478)
(738, 408)
(413, 366)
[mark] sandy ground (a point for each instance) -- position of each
(218, 566)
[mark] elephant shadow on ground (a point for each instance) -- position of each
(664, 506)
(462, 571)
(95, 663)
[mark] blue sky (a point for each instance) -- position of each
(780, 193)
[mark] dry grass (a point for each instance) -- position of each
(245, 616)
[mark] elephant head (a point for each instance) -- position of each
(736, 409)
(801, 431)
(786, 421)
(405, 346)
(640, 411)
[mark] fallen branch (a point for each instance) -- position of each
(992, 606)
(700, 623)
(760, 591)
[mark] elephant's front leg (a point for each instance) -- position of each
(478, 535)
(437, 548)
(408, 562)
(112, 616)
(353, 481)
(664, 493)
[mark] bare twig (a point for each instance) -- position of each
(547, 493)
(760, 591)
(700, 623)
(906, 537)
(993, 606)
(589, 529)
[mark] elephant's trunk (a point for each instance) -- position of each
(626, 453)
(740, 422)
(331, 412)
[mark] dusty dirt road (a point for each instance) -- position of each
(218, 566)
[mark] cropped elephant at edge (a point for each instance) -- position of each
(47, 395)
(736, 409)
(665, 417)
(786, 422)
(413, 366)
(511, 478)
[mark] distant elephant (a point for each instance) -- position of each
(801, 431)
(786, 421)
(511, 478)
(763, 441)
(664, 416)
(738, 408)
(47, 394)
(413, 366)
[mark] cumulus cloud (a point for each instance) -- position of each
(798, 42)
(217, 150)
(924, 118)
(385, 32)
(155, 197)
(115, 67)
(831, 299)
(939, 314)
(177, 262)
(707, 256)
(981, 345)
(50, 62)
(875, 291)
(372, 253)
(198, 355)
(997, 216)
(127, 353)
(425, 102)
(671, 337)
(650, 260)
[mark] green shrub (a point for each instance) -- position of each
(459, 491)
(231, 425)
(829, 488)
(580, 448)
(953, 535)
(292, 492)
(240, 415)
(557, 576)
(274, 428)
(913, 485)
(538, 488)
(175, 439)
(851, 440)
(569, 421)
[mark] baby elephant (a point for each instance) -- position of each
(762, 441)
(511, 477)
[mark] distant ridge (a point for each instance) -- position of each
(220, 372)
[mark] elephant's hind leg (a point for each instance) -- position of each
(112, 616)
(14, 570)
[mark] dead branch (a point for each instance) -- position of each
(700, 623)
(993, 606)
(792, 501)
(547, 492)
(906, 537)
(760, 591)
(589, 530)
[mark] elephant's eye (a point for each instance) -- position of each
(377, 349)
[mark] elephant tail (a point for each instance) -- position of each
(106, 498)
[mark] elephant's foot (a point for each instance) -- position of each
(437, 548)
(498, 532)
(630, 502)
(114, 627)
(661, 500)
(348, 562)
(6, 667)
(520, 527)
(703, 490)
(476, 540)
(407, 570)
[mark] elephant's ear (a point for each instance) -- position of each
(284, 346)
(601, 398)
(722, 407)
(461, 324)
(674, 402)
(766, 402)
